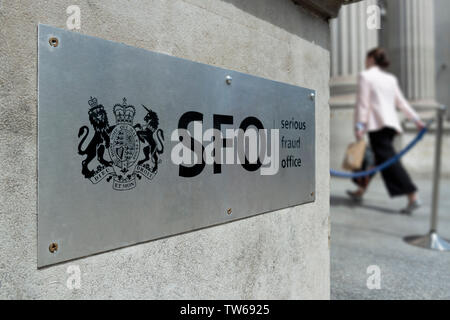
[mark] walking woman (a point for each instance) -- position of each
(378, 96)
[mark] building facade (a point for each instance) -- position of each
(282, 254)
(415, 36)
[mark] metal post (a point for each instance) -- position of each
(437, 169)
(433, 240)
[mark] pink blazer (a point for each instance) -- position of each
(378, 96)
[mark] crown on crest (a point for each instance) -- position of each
(124, 113)
(94, 106)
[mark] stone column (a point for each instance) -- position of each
(350, 41)
(412, 49)
(411, 46)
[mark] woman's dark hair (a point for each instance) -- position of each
(380, 57)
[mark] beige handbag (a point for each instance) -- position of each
(354, 155)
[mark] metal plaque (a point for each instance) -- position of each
(136, 145)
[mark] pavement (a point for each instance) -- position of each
(371, 234)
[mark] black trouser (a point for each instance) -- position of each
(395, 178)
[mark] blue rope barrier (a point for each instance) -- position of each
(384, 165)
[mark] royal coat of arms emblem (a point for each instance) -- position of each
(123, 141)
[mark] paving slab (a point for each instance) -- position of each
(371, 234)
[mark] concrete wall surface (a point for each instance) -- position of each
(282, 254)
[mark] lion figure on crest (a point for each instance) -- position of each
(96, 147)
(147, 135)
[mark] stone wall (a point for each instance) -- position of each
(282, 254)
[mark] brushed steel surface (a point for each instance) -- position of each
(83, 217)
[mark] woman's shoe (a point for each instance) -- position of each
(355, 195)
(411, 207)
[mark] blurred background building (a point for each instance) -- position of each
(416, 36)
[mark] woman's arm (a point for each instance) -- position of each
(362, 107)
(404, 105)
